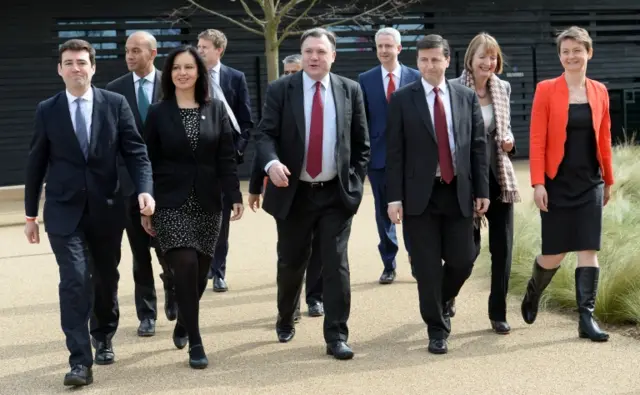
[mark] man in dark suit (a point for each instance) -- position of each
(313, 279)
(79, 134)
(230, 86)
(141, 87)
(437, 176)
(377, 86)
(314, 144)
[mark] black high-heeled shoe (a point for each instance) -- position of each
(197, 357)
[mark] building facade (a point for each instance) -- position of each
(33, 30)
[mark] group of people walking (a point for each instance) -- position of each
(157, 153)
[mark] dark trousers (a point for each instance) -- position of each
(440, 232)
(313, 278)
(88, 290)
(316, 212)
(500, 218)
(388, 245)
(140, 241)
(219, 261)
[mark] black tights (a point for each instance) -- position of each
(190, 269)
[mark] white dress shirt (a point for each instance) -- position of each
(396, 73)
(329, 132)
(147, 87)
(87, 109)
(215, 73)
(446, 101)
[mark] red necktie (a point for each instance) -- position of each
(444, 150)
(391, 87)
(314, 152)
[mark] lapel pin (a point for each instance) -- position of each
(203, 117)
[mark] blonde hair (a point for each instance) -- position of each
(218, 38)
(577, 34)
(490, 44)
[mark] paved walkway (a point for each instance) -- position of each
(387, 335)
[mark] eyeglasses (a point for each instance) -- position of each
(287, 72)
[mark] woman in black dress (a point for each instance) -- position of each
(571, 172)
(191, 150)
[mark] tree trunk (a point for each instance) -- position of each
(271, 52)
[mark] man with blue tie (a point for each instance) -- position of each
(79, 133)
(377, 85)
(141, 87)
(229, 86)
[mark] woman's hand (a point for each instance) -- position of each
(540, 197)
(607, 194)
(147, 225)
(238, 209)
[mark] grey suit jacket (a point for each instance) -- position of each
(412, 149)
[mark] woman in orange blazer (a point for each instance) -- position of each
(571, 172)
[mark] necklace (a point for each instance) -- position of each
(482, 96)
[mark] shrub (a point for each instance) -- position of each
(618, 299)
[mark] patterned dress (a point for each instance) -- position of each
(188, 226)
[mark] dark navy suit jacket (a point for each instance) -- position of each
(75, 184)
(375, 102)
(236, 92)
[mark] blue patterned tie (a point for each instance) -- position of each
(81, 128)
(143, 102)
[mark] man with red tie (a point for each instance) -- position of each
(437, 176)
(377, 86)
(313, 143)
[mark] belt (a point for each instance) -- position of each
(440, 180)
(319, 184)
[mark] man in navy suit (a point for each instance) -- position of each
(79, 133)
(141, 87)
(377, 85)
(230, 86)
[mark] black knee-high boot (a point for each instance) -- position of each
(586, 291)
(540, 279)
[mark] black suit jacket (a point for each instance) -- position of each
(236, 92)
(72, 181)
(412, 150)
(211, 169)
(124, 85)
(281, 136)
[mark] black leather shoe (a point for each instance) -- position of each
(316, 309)
(339, 350)
(387, 277)
(180, 337)
(219, 285)
(500, 327)
(197, 357)
(104, 353)
(450, 308)
(147, 327)
(78, 376)
(285, 335)
(438, 346)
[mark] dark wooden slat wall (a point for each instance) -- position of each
(29, 40)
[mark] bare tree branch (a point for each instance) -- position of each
(260, 22)
(285, 32)
(212, 12)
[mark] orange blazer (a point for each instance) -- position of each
(548, 131)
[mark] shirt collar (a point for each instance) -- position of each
(396, 72)
(216, 68)
(151, 77)
(309, 83)
(88, 96)
(428, 88)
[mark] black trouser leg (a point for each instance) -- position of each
(313, 281)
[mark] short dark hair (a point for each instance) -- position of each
(202, 83)
(433, 41)
(318, 32)
(77, 45)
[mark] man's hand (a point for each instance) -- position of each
(32, 231)
(147, 226)
(394, 211)
(254, 202)
(482, 205)
(238, 209)
(278, 173)
(147, 204)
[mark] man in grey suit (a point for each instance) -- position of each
(437, 176)
(313, 142)
(141, 87)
